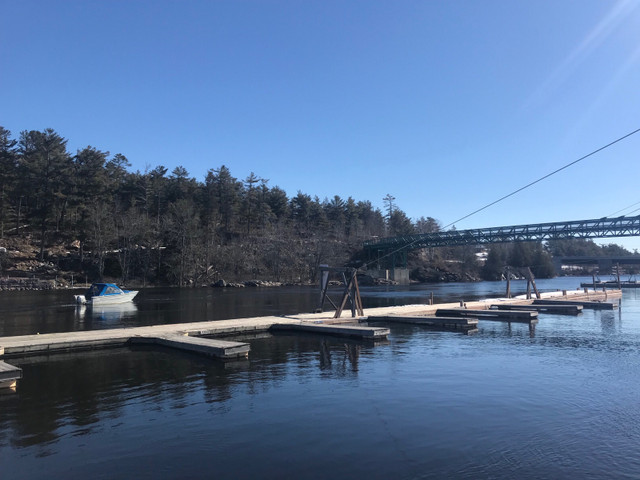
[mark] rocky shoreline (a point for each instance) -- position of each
(362, 280)
(18, 284)
(249, 283)
(32, 283)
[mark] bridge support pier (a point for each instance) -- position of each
(400, 275)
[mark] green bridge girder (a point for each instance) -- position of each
(397, 247)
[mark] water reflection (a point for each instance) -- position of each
(338, 357)
(67, 395)
(608, 321)
(342, 361)
(106, 313)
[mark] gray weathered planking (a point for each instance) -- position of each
(554, 308)
(361, 333)
(455, 323)
(496, 315)
(584, 304)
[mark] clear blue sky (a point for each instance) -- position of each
(446, 105)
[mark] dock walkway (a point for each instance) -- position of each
(117, 337)
(180, 335)
(190, 336)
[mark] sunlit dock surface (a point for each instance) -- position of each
(182, 335)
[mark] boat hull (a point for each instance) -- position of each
(114, 299)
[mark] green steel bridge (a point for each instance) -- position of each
(393, 250)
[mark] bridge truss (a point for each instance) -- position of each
(397, 247)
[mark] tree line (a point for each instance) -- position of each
(158, 226)
(161, 227)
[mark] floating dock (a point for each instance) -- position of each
(584, 304)
(361, 333)
(490, 314)
(555, 308)
(614, 284)
(9, 375)
(189, 336)
(185, 336)
(449, 323)
(203, 346)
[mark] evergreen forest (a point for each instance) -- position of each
(87, 214)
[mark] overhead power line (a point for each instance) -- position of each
(623, 209)
(544, 177)
(522, 188)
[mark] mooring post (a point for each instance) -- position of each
(431, 299)
(508, 283)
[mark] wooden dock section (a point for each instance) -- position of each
(583, 304)
(621, 284)
(181, 335)
(448, 323)
(119, 337)
(9, 375)
(203, 346)
(493, 314)
(558, 308)
(360, 333)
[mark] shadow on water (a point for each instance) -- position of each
(72, 394)
(104, 315)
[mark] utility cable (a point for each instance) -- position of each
(623, 209)
(515, 191)
(544, 177)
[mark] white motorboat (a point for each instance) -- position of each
(105, 294)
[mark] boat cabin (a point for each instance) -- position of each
(103, 289)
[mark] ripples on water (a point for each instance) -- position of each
(559, 400)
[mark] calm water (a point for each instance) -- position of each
(556, 401)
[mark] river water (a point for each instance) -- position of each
(556, 401)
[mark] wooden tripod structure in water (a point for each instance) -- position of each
(351, 292)
(531, 282)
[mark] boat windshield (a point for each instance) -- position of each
(111, 289)
(99, 289)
